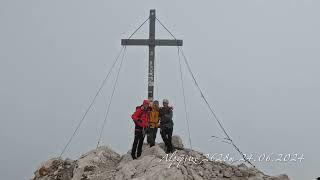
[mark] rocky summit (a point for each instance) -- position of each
(154, 164)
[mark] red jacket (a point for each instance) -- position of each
(141, 114)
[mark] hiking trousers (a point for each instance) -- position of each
(139, 134)
(166, 134)
(151, 136)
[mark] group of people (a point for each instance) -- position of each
(148, 117)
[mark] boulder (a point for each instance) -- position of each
(55, 168)
(177, 142)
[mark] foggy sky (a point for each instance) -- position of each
(256, 61)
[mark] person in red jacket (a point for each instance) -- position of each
(141, 118)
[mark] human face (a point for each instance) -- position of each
(165, 104)
(156, 104)
(146, 106)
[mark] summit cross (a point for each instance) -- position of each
(152, 42)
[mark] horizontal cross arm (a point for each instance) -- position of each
(168, 42)
(147, 42)
(139, 42)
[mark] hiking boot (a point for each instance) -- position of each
(133, 156)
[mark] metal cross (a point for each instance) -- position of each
(151, 42)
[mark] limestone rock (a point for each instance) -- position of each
(155, 150)
(154, 164)
(279, 177)
(55, 168)
(177, 142)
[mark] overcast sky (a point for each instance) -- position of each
(256, 61)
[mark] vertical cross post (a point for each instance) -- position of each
(152, 27)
